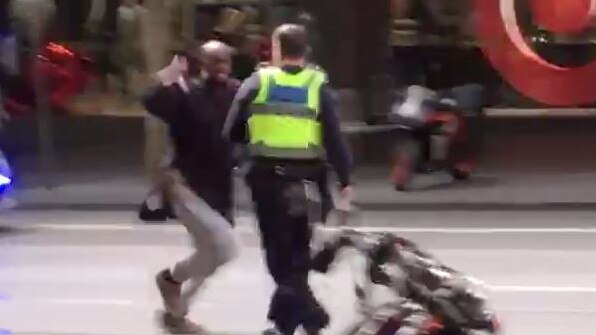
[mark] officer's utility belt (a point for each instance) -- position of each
(293, 169)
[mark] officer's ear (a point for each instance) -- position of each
(308, 54)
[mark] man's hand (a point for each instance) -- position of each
(346, 197)
(174, 73)
(348, 192)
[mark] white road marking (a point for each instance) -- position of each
(247, 228)
(78, 302)
(493, 288)
(92, 227)
(549, 310)
(541, 289)
(442, 230)
(106, 227)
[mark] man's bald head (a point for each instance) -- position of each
(215, 48)
(216, 59)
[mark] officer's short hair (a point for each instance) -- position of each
(293, 40)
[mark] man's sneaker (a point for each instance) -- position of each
(170, 291)
(179, 325)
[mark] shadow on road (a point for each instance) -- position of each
(10, 231)
(479, 206)
(474, 183)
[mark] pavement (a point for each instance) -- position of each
(486, 190)
(91, 272)
(526, 164)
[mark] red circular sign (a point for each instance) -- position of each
(502, 42)
(563, 17)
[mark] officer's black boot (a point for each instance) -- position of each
(315, 318)
(283, 311)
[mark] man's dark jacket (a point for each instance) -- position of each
(195, 121)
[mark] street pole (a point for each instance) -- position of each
(373, 53)
(156, 51)
(44, 123)
(33, 19)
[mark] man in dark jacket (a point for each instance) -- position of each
(199, 183)
(286, 116)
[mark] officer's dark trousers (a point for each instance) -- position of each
(279, 194)
(325, 194)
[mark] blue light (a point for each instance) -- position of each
(4, 181)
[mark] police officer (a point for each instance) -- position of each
(287, 117)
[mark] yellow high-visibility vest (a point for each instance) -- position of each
(284, 116)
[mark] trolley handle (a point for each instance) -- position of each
(364, 243)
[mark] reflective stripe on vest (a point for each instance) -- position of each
(283, 120)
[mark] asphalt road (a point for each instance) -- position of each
(65, 272)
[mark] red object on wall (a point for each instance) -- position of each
(64, 73)
(562, 16)
(504, 46)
